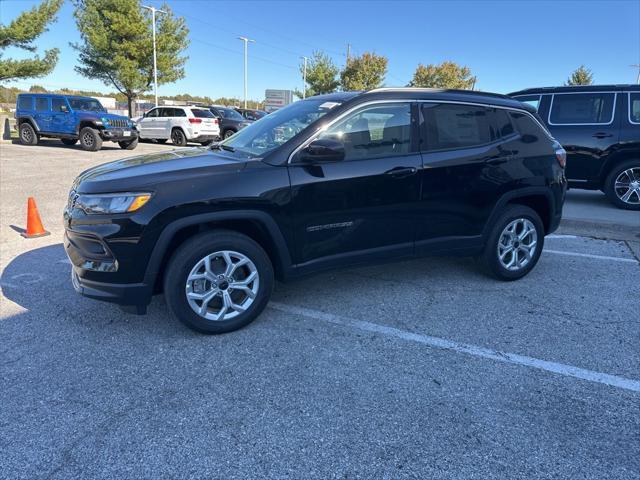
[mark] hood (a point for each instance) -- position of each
(148, 171)
(109, 116)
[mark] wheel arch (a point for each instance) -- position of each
(30, 120)
(539, 199)
(613, 161)
(86, 123)
(257, 225)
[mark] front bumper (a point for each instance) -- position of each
(119, 134)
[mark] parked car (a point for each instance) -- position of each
(372, 176)
(599, 127)
(230, 120)
(251, 114)
(71, 118)
(180, 124)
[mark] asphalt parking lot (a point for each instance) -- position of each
(419, 369)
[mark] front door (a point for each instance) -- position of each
(146, 125)
(61, 119)
(585, 125)
(362, 206)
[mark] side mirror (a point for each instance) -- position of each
(64, 109)
(323, 150)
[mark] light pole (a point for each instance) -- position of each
(155, 62)
(638, 67)
(304, 78)
(246, 42)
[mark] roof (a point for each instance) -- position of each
(578, 88)
(53, 94)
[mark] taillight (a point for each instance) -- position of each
(561, 156)
(215, 121)
(195, 120)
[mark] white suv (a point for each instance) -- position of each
(180, 124)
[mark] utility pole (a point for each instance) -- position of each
(155, 61)
(304, 78)
(246, 42)
(638, 67)
(348, 52)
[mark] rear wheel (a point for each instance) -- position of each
(178, 137)
(90, 139)
(69, 141)
(28, 135)
(514, 244)
(218, 281)
(622, 186)
(129, 144)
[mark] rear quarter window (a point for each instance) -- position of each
(25, 102)
(634, 108)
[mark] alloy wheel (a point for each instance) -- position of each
(627, 186)
(517, 244)
(87, 139)
(222, 285)
(26, 135)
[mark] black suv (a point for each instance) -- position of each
(599, 127)
(230, 120)
(330, 181)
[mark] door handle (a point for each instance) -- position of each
(400, 172)
(602, 135)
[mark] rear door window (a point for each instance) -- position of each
(450, 126)
(42, 104)
(634, 108)
(25, 102)
(593, 108)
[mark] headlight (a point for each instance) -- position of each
(112, 202)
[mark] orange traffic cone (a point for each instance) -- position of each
(34, 224)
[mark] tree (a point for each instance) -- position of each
(321, 75)
(364, 72)
(117, 45)
(21, 33)
(580, 76)
(445, 75)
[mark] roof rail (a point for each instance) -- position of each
(444, 90)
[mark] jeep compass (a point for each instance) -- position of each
(330, 181)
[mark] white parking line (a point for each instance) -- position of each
(589, 255)
(553, 235)
(436, 342)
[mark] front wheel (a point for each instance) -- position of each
(622, 186)
(129, 144)
(218, 282)
(514, 244)
(178, 137)
(90, 139)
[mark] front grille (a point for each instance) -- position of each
(73, 198)
(118, 123)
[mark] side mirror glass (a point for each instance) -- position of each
(323, 150)
(64, 109)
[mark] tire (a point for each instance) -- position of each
(627, 176)
(189, 259)
(519, 216)
(178, 138)
(28, 135)
(228, 133)
(129, 144)
(69, 141)
(90, 139)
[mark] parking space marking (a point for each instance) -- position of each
(561, 236)
(442, 343)
(589, 255)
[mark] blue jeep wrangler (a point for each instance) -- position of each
(71, 118)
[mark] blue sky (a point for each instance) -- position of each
(508, 45)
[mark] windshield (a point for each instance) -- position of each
(88, 104)
(277, 128)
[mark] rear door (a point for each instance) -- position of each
(463, 162)
(362, 206)
(586, 126)
(43, 113)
